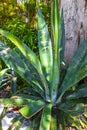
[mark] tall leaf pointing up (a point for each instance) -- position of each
(45, 46)
(56, 26)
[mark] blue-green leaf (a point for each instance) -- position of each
(78, 93)
(62, 44)
(13, 60)
(72, 107)
(77, 69)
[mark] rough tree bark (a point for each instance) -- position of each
(75, 16)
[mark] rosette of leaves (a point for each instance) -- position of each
(53, 98)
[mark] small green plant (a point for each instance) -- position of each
(53, 98)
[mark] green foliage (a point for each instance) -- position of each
(9, 9)
(7, 82)
(46, 10)
(49, 101)
(13, 19)
(22, 31)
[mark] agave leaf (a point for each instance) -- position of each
(9, 57)
(79, 93)
(18, 117)
(61, 119)
(8, 102)
(32, 97)
(53, 124)
(27, 52)
(80, 100)
(56, 27)
(39, 68)
(72, 107)
(30, 91)
(77, 69)
(46, 118)
(17, 122)
(32, 108)
(35, 123)
(62, 45)
(39, 77)
(45, 46)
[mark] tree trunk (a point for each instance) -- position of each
(75, 16)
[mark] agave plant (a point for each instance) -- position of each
(53, 97)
